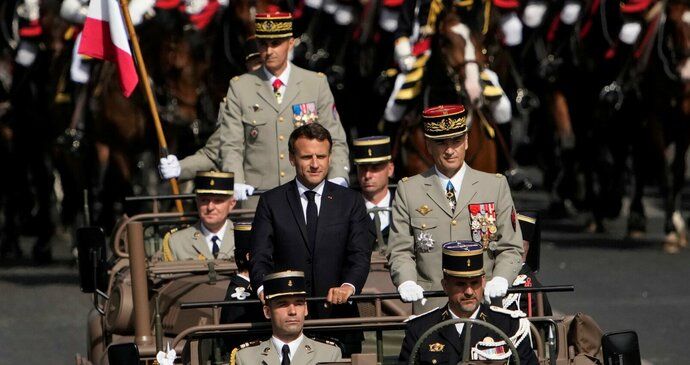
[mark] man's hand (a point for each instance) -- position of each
(169, 167)
(411, 292)
(495, 288)
(340, 295)
(242, 191)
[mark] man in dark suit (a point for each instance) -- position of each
(463, 281)
(315, 226)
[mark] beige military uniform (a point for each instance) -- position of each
(190, 244)
(255, 128)
(205, 159)
(309, 352)
(422, 217)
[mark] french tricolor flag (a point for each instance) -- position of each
(105, 37)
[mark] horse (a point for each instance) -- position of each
(444, 84)
(666, 91)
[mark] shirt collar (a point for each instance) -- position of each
(473, 316)
(208, 234)
(318, 189)
(384, 203)
(284, 77)
(293, 345)
(456, 179)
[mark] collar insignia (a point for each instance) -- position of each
(436, 347)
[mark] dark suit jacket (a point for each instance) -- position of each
(344, 239)
(240, 313)
(450, 349)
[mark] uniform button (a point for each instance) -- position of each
(281, 137)
(454, 222)
(433, 361)
(253, 122)
(281, 119)
(282, 156)
(423, 225)
(282, 174)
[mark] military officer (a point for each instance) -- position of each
(451, 201)
(260, 111)
(286, 307)
(463, 281)
(240, 288)
(372, 155)
(212, 237)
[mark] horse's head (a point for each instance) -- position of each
(679, 21)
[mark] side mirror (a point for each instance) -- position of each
(123, 354)
(621, 348)
(92, 258)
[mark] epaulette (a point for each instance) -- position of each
(499, 175)
(233, 354)
(324, 341)
(513, 313)
(415, 316)
(404, 179)
(320, 74)
(235, 78)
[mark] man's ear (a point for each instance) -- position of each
(233, 203)
(391, 169)
(267, 312)
(443, 284)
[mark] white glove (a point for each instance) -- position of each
(340, 181)
(169, 167)
(411, 292)
(242, 191)
(403, 54)
(501, 108)
(193, 7)
(511, 26)
(495, 288)
(629, 32)
(26, 53)
(533, 14)
(139, 8)
(344, 15)
(474, 89)
(74, 11)
(570, 12)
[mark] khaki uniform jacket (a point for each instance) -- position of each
(309, 352)
(254, 128)
(205, 159)
(190, 244)
(421, 206)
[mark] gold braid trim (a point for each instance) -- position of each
(233, 356)
(434, 10)
(167, 252)
(445, 124)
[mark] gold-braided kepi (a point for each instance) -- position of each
(284, 283)
(445, 121)
(273, 25)
(214, 182)
(371, 150)
(463, 259)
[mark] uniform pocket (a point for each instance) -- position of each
(252, 129)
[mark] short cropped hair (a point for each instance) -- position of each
(310, 131)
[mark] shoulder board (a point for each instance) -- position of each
(499, 175)
(173, 230)
(513, 313)
(320, 74)
(404, 179)
(415, 316)
(250, 344)
(235, 78)
(324, 341)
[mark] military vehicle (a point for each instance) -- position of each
(144, 307)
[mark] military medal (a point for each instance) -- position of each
(304, 113)
(483, 223)
(240, 294)
(424, 242)
(254, 132)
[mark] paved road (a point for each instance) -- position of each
(622, 284)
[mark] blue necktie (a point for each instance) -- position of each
(286, 355)
(216, 248)
(450, 194)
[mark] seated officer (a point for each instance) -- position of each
(372, 155)
(240, 289)
(286, 307)
(463, 281)
(528, 303)
(211, 237)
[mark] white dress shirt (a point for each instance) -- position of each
(284, 78)
(303, 198)
(208, 235)
(294, 345)
(384, 215)
(456, 180)
(459, 326)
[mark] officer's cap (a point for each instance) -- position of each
(214, 182)
(463, 259)
(243, 233)
(273, 25)
(445, 121)
(371, 150)
(284, 283)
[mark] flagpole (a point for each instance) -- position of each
(149, 95)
